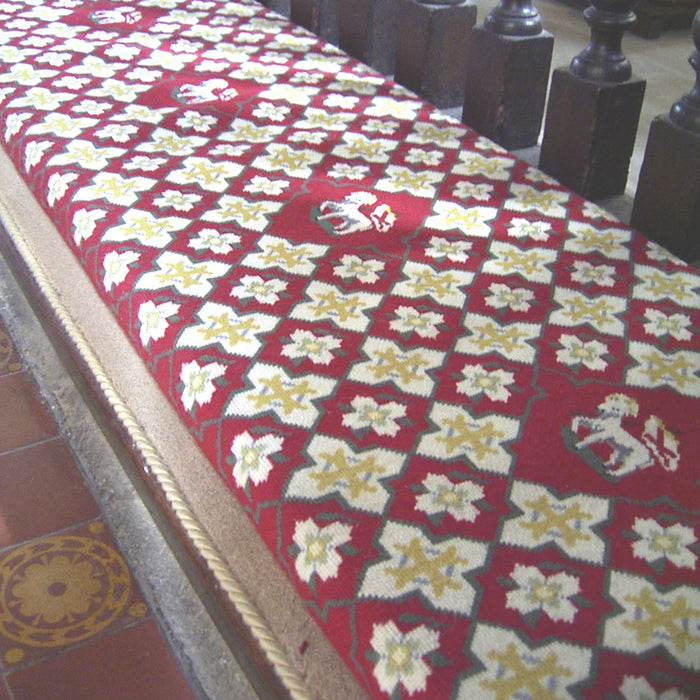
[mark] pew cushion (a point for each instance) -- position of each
(458, 402)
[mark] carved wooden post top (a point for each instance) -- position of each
(602, 60)
(686, 112)
(514, 18)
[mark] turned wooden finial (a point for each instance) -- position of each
(686, 112)
(514, 18)
(602, 60)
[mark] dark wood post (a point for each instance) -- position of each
(320, 16)
(281, 6)
(667, 202)
(367, 31)
(594, 107)
(508, 61)
(431, 48)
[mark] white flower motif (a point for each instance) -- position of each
(181, 201)
(338, 101)
(348, 171)
(98, 36)
(186, 46)
(72, 82)
(503, 297)
(197, 121)
(603, 275)
(593, 211)
(409, 320)
(213, 240)
(441, 248)
(418, 156)
(122, 51)
(271, 112)
(318, 348)
(660, 254)
(382, 418)
(250, 37)
(230, 150)
(154, 319)
(550, 594)
(379, 126)
(465, 189)
(199, 382)
(314, 137)
(485, 144)
(443, 496)
(34, 152)
(14, 123)
(116, 267)
(84, 223)
(524, 228)
(53, 58)
(251, 457)
(144, 75)
(640, 689)
(318, 549)
(536, 175)
(263, 185)
(145, 163)
(92, 107)
(211, 66)
(120, 133)
(35, 41)
(353, 267)
(306, 78)
(263, 291)
(575, 352)
(478, 380)
(271, 57)
(401, 656)
(658, 543)
(659, 324)
(57, 186)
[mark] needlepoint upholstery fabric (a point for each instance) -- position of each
(459, 403)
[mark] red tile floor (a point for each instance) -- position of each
(73, 623)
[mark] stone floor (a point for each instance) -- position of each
(67, 509)
(94, 604)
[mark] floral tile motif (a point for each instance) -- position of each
(10, 361)
(63, 589)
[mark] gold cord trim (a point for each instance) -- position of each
(279, 659)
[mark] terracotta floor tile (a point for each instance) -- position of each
(41, 491)
(134, 664)
(63, 590)
(10, 361)
(23, 417)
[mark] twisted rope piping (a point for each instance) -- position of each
(278, 658)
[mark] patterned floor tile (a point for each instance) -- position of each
(61, 590)
(10, 361)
